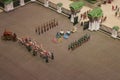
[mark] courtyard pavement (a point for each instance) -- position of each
(97, 59)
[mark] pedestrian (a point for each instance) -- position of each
(105, 18)
(116, 7)
(82, 23)
(116, 13)
(112, 8)
(81, 16)
(109, 1)
(84, 16)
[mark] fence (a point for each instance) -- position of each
(108, 30)
(65, 11)
(54, 7)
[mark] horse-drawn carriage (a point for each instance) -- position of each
(8, 35)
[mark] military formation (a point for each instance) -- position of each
(46, 26)
(35, 49)
(78, 42)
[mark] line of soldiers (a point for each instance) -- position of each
(35, 49)
(79, 42)
(46, 26)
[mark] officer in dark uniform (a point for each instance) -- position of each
(52, 56)
(46, 59)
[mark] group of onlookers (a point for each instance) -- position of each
(103, 18)
(84, 15)
(117, 10)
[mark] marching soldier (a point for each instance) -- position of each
(14, 37)
(36, 30)
(34, 52)
(44, 28)
(53, 22)
(69, 47)
(50, 25)
(56, 23)
(46, 59)
(39, 30)
(47, 25)
(29, 48)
